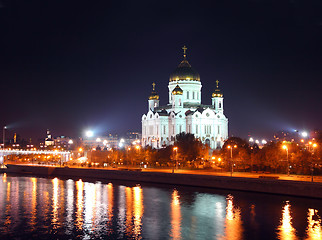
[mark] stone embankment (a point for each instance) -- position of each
(262, 185)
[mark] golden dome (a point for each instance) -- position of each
(217, 92)
(184, 71)
(153, 95)
(177, 90)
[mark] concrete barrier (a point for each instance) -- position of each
(262, 185)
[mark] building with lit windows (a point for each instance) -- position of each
(184, 112)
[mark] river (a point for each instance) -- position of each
(53, 208)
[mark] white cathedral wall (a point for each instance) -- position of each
(193, 87)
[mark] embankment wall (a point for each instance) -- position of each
(274, 186)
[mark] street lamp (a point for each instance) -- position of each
(4, 136)
(314, 145)
(288, 167)
(89, 133)
(175, 149)
(231, 157)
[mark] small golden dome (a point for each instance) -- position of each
(153, 95)
(217, 92)
(177, 90)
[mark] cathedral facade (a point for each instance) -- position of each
(184, 112)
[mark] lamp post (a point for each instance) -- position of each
(176, 159)
(4, 136)
(231, 158)
(288, 165)
(314, 145)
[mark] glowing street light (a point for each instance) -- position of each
(314, 145)
(304, 134)
(175, 149)
(89, 133)
(231, 157)
(288, 167)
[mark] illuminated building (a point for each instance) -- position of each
(49, 140)
(184, 112)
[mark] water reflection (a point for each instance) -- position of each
(314, 229)
(110, 201)
(54, 220)
(175, 216)
(40, 208)
(89, 203)
(33, 218)
(79, 204)
(138, 210)
(8, 208)
(233, 223)
(129, 210)
(286, 230)
(69, 206)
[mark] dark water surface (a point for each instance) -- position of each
(41, 208)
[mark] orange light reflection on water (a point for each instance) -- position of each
(33, 218)
(129, 210)
(137, 210)
(54, 220)
(314, 229)
(286, 230)
(233, 223)
(175, 216)
(79, 204)
(8, 207)
(110, 199)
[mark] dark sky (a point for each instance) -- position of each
(73, 65)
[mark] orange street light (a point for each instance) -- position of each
(175, 149)
(312, 166)
(231, 158)
(288, 167)
(80, 149)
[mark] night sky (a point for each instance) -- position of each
(74, 65)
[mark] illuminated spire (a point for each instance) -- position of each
(184, 48)
(217, 92)
(154, 95)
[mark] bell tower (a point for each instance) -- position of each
(153, 101)
(218, 99)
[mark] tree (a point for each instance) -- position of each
(189, 148)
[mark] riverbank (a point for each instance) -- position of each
(262, 185)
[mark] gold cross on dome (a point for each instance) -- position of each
(153, 86)
(184, 50)
(217, 83)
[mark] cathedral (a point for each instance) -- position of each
(184, 112)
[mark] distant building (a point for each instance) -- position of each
(184, 112)
(62, 142)
(49, 141)
(109, 141)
